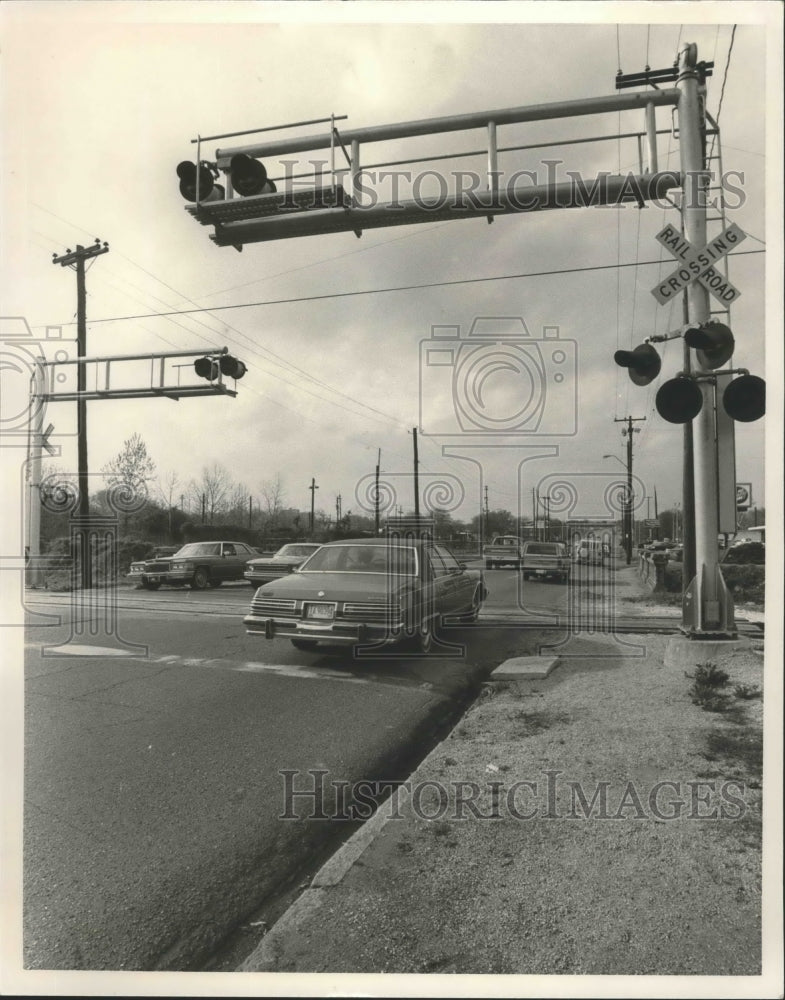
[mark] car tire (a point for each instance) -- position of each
(150, 586)
(488, 564)
(422, 639)
(200, 579)
(470, 616)
(308, 645)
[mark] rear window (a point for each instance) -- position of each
(542, 549)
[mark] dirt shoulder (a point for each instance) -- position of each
(633, 846)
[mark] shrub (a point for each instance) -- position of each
(705, 689)
(747, 553)
(745, 582)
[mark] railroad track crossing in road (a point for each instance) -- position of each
(697, 264)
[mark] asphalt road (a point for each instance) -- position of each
(152, 786)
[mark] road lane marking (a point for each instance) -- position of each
(73, 649)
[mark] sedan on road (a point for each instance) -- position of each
(374, 590)
(198, 564)
(286, 559)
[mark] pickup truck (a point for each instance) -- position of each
(545, 559)
(504, 550)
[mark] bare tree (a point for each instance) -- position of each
(130, 471)
(212, 489)
(131, 467)
(273, 499)
(167, 488)
(238, 503)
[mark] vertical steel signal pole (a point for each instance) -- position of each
(416, 478)
(376, 492)
(707, 607)
(77, 260)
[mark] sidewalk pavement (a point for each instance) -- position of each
(592, 820)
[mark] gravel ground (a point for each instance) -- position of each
(641, 886)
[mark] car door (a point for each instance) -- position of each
(227, 568)
(462, 589)
(445, 596)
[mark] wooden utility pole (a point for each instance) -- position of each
(313, 488)
(76, 260)
(628, 499)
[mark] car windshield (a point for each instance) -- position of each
(542, 549)
(199, 549)
(360, 558)
(297, 550)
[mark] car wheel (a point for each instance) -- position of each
(201, 579)
(422, 640)
(305, 644)
(471, 615)
(150, 586)
(488, 564)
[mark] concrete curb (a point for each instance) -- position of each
(264, 957)
(524, 668)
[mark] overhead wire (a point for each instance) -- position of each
(294, 300)
(259, 350)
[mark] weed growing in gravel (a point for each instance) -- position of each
(747, 691)
(705, 688)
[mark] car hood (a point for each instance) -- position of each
(338, 586)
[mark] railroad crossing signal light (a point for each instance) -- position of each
(679, 400)
(713, 342)
(208, 189)
(643, 363)
(231, 366)
(744, 398)
(249, 176)
(206, 368)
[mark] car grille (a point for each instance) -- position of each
(275, 606)
(158, 567)
(371, 612)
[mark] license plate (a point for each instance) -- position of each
(152, 579)
(321, 611)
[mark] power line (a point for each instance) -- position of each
(394, 288)
(725, 74)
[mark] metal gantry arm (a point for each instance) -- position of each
(327, 208)
(157, 387)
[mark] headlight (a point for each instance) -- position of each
(180, 565)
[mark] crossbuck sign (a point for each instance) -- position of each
(698, 263)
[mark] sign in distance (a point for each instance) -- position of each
(697, 263)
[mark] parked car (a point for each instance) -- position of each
(368, 590)
(287, 558)
(545, 559)
(198, 564)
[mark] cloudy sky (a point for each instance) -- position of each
(100, 105)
